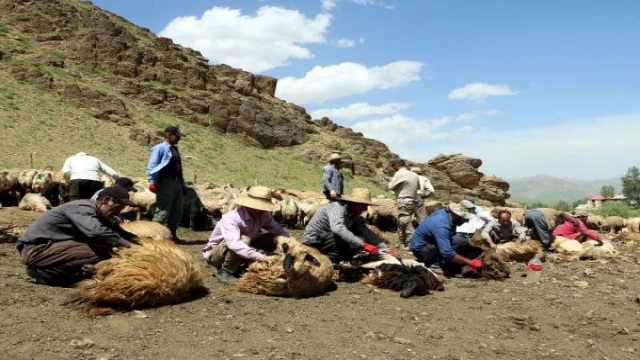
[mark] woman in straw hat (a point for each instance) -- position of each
(338, 230)
(332, 181)
(238, 236)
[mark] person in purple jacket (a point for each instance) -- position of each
(238, 236)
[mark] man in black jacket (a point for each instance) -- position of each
(63, 240)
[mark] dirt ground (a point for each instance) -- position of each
(580, 310)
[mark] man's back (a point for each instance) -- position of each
(439, 221)
(405, 185)
(85, 167)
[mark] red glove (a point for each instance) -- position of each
(152, 188)
(371, 249)
(476, 264)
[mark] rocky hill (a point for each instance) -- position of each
(91, 63)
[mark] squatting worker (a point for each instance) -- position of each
(332, 180)
(81, 232)
(435, 241)
(405, 185)
(238, 236)
(165, 178)
(338, 231)
(82, 171)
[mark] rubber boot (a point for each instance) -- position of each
(174, 235)
(225, 276)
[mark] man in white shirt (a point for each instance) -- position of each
(405, 185)
(82, 171)
(479, 218)
(425, 189)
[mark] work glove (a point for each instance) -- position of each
(333, 195)
(152, 188)
(371, 249)
(476, 264)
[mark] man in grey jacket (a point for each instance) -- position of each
(63, 240)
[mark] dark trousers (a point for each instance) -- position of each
(334, 247)
(60, 263)
(169, 203)
(83, 189)
(430, 254)
(537, 222)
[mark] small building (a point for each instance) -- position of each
(597, 201)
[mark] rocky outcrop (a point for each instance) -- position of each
(463, 170)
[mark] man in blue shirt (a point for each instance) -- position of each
(435, 240)
(164, 174)
(332, 181)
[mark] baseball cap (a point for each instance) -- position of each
(117, 194)
(397, 161)
(173, 130)
(126, 183)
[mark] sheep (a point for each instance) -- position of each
(591, 250)
(307, 208)
(56, 192)
(384, 214)
(627, 236)
(595, 222)
(613, 224)
(407, 276)
(8, 180)
(40, 181)
(144, 200)
(522, 252)
(25, 179)
(493, 267)
(569, 249)
(288, 213)
(147, 229)
(34, 202)
(302, 272)
(633, 224)
(151, 274)
(9, 233)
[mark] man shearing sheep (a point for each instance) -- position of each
(503, 229)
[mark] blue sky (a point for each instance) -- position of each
(530, 87)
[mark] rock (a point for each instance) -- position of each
(402, 341)
(82, 343)
(581, 284)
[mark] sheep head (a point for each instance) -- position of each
(304, 261)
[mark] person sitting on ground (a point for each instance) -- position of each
(573, 227)
(63, 240)
(503, 229)
(332, 180)
(436, 243)
(479, 218)
(238, 236)
(538, 227)
(338, 231)
(82, 171)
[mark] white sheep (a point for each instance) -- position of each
(34, 202)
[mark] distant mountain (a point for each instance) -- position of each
(550, 189)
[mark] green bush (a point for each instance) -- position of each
(617, 208)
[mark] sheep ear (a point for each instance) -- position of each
(312, 260)
(288, 263)
(285, 247)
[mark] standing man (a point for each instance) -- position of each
(164, 174)
(425, 190)
(338, 231)
(435, 241)
(238, 236)
(82, 171)
(63, 240)
(405, 185)
(332, 181)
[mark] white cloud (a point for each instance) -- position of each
(344, 43)
(345, 79)
(329, 4)
(364, 2)
(478, 92)
(585, 149)
(269, 39)
(473, 115)
(359, 110)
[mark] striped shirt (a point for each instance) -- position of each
(334, 218)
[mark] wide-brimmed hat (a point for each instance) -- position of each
(581, 213)
(459, 210)
(359, 195)
(259, 198)
(467, 204)
(416, 170)
(334, 157)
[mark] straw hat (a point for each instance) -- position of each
(467, 204)
(416, 170)
(359, 195)
(258, 197)
(459, 210)
(581, 213)
(334, 156)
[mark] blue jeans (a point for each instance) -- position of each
(430, 254)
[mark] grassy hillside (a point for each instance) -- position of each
(33, 120)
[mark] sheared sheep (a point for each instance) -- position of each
(34, 202)
(302, 272)
(569, 249)
(592, 250)
(523, 252)
(613, 224)
(154, 273)
(147, 229)
(493, 267)
(386, 272)
(287, 213)
(145, 201)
